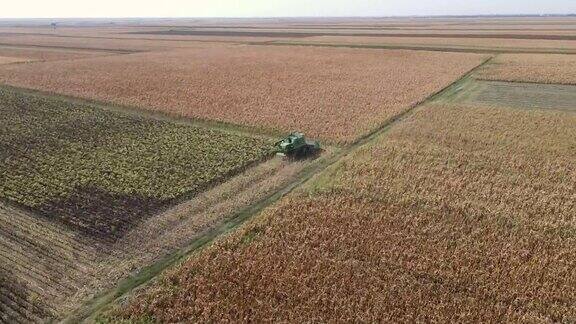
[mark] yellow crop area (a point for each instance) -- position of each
(457, 214)
(334, 94)
(536, 68)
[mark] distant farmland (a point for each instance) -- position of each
(334, 94)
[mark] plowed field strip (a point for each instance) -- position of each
(31, 250)
(21, 308)
(9, 314)
(43, 232)
(24, 272)
(39, 240)
(30, 308)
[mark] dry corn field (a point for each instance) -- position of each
(98, 43)
(469, 43)
(535, 68)
(334, 94)
(458, 214)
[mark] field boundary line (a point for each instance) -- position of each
(92, 308)
(421, 48)
(151, 114)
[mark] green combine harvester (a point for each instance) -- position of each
(297, 146)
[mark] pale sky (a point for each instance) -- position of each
(275, 8)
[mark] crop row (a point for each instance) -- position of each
(100, 171)
(458, 214)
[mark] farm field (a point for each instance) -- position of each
(559, 69)
(320, 32)
(99, 172)
(447, 43)
(104, 44)
(138, 180)
(440, 219)
(333, 94)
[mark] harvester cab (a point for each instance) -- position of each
(297, 146)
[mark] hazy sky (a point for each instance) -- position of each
(259, 8)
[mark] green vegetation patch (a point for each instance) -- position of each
(100, 171)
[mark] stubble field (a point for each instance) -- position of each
(333, 94)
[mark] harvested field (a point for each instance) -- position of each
(100, 172)
(560, 69)
(334, 94)
(39, 263)
(471, 44)
(522, 95)
(458, 214)
(53, 271)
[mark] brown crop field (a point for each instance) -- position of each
(334, 94)
(458, 214)
(471, 44)
(536, 68)
(103, 44)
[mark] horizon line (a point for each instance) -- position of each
(299, 17)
